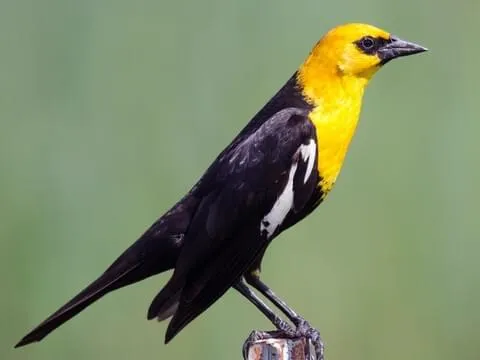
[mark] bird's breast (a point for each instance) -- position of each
(335, 127)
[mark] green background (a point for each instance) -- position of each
(110, 110)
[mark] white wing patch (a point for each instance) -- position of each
(284, 203)
(281, 207)
(309, 152)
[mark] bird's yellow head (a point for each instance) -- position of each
(354, 51)
(333, 79)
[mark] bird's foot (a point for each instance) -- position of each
(285, 328)
(304, 329)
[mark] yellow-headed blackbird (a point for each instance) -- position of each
(275, 172)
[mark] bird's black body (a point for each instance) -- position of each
(219, 231)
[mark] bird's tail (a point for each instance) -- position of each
(145, 258)
(166, 302)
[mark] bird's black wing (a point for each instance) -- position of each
(247, 194)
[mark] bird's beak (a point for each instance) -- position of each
(396, 48)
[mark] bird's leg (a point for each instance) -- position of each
(253, 278)
(303, 328)
(280, 324)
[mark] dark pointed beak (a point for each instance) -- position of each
(396, 48)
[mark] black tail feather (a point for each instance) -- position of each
(166, 301)
(104, 284)
(148, 256)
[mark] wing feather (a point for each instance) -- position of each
(241, 188)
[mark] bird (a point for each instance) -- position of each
(274, 173)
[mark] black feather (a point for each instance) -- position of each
(244, 183)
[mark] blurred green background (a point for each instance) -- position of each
(110, 110)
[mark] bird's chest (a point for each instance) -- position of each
(335, 129)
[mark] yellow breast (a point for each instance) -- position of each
(335, 125)
(337, 100)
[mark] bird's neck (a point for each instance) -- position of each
(336, 104)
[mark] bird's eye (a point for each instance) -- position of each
(367, 43)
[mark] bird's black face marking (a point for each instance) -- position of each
(387, 49)
(370, 45)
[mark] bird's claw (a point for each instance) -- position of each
(304, 329)
(285, 328)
